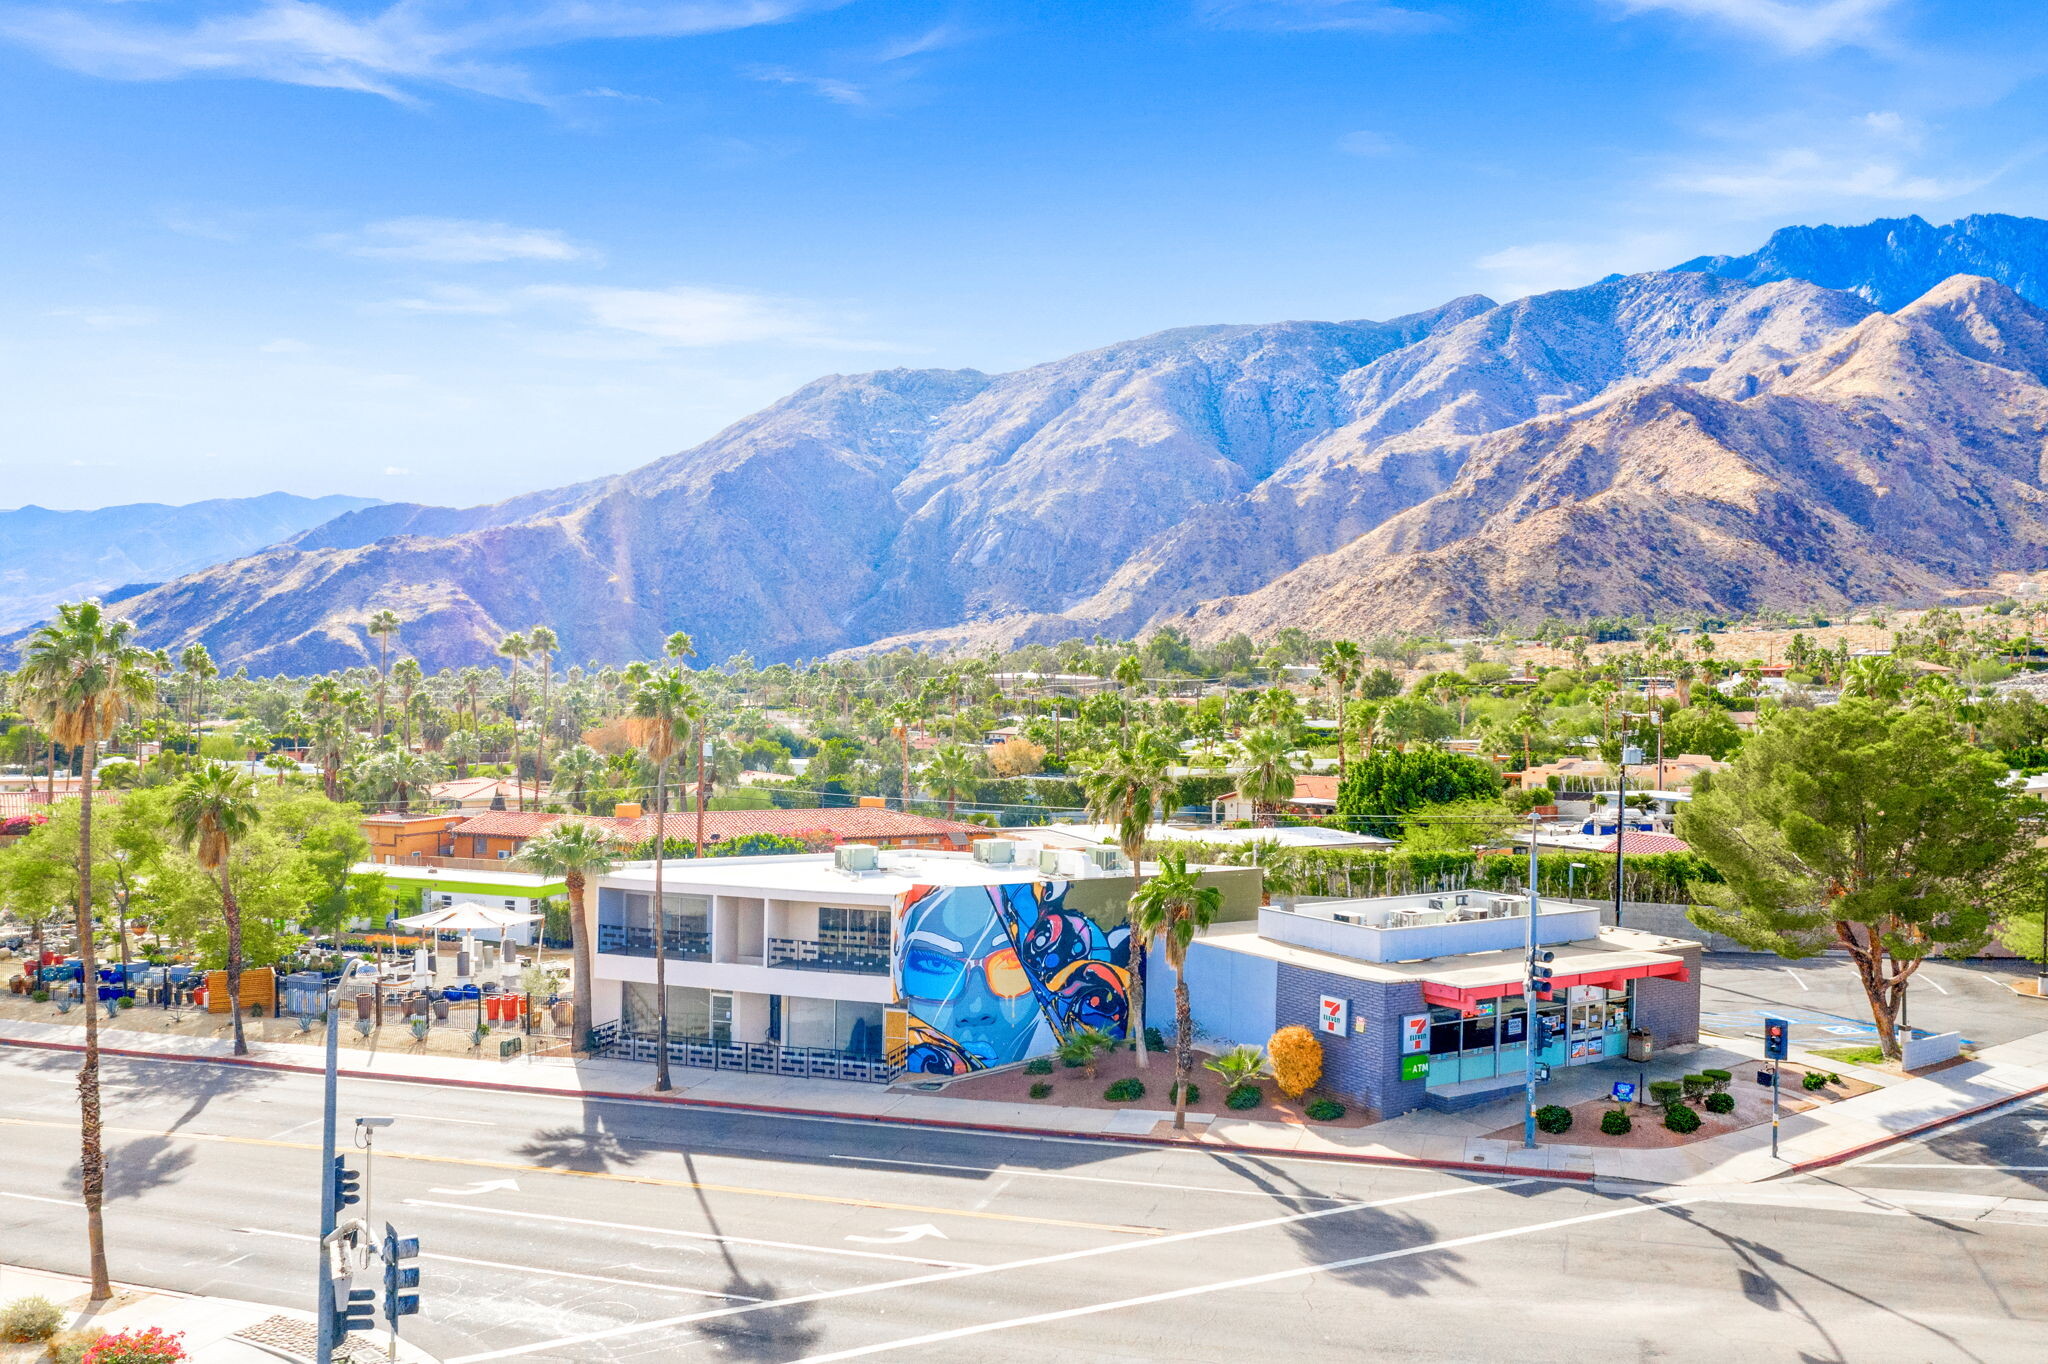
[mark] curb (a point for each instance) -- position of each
(734, 1106)
(1893, 1139)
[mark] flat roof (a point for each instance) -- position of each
(457, 876)
(814, 876)
(1614, 949)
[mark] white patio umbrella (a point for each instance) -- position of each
(466, 919)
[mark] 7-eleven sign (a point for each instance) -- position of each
(1334, 1016)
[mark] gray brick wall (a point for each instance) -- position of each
(1363, 1067)
(1670, 1009)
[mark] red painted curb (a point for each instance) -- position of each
(1823, 1162)
(728, 1105)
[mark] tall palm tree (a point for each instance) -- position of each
(1128, 788)
(574, 850)
(665, 710)
(1171, 908)
(212, 810)
(541, 646)
(199, 670)
(80, 675)
(1266, 777)
(512, 648)
(903, 714)
(384, 625)
(408, 675)
(949, 773)
(1129, 674)
(1340, 663)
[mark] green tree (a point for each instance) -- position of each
(80, 676)
(1859, 826)
(1266, 769)
(384, 626)
(212, 810)
(1701, 731)
(574, 850)
(950, 774)
(666, 707)
(512, 648)
(1128, 788)
(1391, 782)
(1339, 664)
(1170, 909)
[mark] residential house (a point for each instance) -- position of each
(1315, 793)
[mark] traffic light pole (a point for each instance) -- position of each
(330, 1104)
(1529, 1024)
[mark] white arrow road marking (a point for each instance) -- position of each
(482, 1186)
(903, 1235)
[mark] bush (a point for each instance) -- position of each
(1718, 1079)
(1681, 1119)
(1615, 1122)
(1155, 1040)
(1665, 1091)
(1815, 1079)
(1242, 1098)
(41, 996)
(30, 1318)
(1038, 1065)
(1125, 1091)
(1194, 1090)
(70, 1347)
(1040, 1089)
(1697, 1085)
(125, 1002)
(1325, 1110)
(1297, 1060)
(1553, 1118)
(149, 1346)
(1720, 1103)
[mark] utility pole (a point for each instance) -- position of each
(1529, 1006)
(325, 1313)
(1629, 754)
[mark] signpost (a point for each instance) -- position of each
(1777, 1046)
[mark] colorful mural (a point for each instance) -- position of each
(995, 974)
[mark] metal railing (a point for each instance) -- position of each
(754, 1058)
(633, 940)
(858, 954)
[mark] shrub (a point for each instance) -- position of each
(1718, 1079)
(1242, 1098)
(1038, 1065)
(1681, 1119)
(1325, 1110)
(1155, 1040)
(1720, 1103)
(41, 996)
(1665, 1091)
(1554, 1118)
(125, 1002)
(1697, 1085)
(1297, 1060)
(30, 1318)
(1125, 1091)
(1239, 1066)
(1194, 1095)
(1040, 1089)
(1815, 1079)
(148, 1346)
(69, 1347)
(1615, 1122)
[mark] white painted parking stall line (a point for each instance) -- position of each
(530, 1269)
(1118, 1248)
(838, 1252)
(1795, 978)
(1923, 976)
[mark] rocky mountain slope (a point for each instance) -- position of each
(1723, 435)
(51, 556)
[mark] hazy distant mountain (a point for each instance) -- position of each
(48, 556)
(1729, 434)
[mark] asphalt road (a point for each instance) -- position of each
(612, 1231)
(1825, 1004)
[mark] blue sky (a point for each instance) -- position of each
(454, 250)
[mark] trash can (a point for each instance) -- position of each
(1639, 1045)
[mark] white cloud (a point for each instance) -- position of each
(1792, 25)
(1794, 177)
(1364, 143)
(826, 87)
(394, 471)
(453, 298)
(1539, 267)
(690, 316)
(1316, 16)
(390, 51)
(284, 345)
(114, 318)
(457, 241)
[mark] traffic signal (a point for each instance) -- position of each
(1540, 973)
(355, 1309)
(399, 1277)
(348, 1184)
(1777, 1039)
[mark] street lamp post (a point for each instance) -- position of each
(1570, 875)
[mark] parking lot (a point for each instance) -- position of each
(1823, 1000)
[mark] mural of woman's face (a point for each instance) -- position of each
(961, 974)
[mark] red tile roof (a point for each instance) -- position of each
(1644, 844)
(848, 825)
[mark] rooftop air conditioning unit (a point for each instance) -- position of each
(1107, 859)
(1049, 861)
(855, 857)
(995, 852)
(1463, 899)
(1436, 902)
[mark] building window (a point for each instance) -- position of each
(832, 1024)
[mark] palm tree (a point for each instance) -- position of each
(461, 749)
(384, 625)
(1171, 908)
(1129, 673)
(408, 675)
(902, 714)
(665, 709)
(949, 773)
(578, 769)
(574, 850)
(513, 648)
(1266, 778)
(212, 810)
(280, 764)
(1127, 788)
(1340, 663)
(199, 669)
(541, 645)
(80, 676)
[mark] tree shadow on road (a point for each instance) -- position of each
(191, 1083)
(140, 1167)
(591, 1149)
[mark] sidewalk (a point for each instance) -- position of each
(1904, 1107)
(214, 1330)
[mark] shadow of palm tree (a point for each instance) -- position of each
(591, 1149)
(140, 1166)
(195, 1085)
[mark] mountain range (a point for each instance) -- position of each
(1845, 415)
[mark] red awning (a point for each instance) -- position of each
(1465, 998)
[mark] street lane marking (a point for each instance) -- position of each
(1007, 1170)
(1922, 975)
(1251, 1281)
(651, 1180)
(1795, 977)
(526, 1269)
(522, 1214)
(38, 1198)
(1119, 1247)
